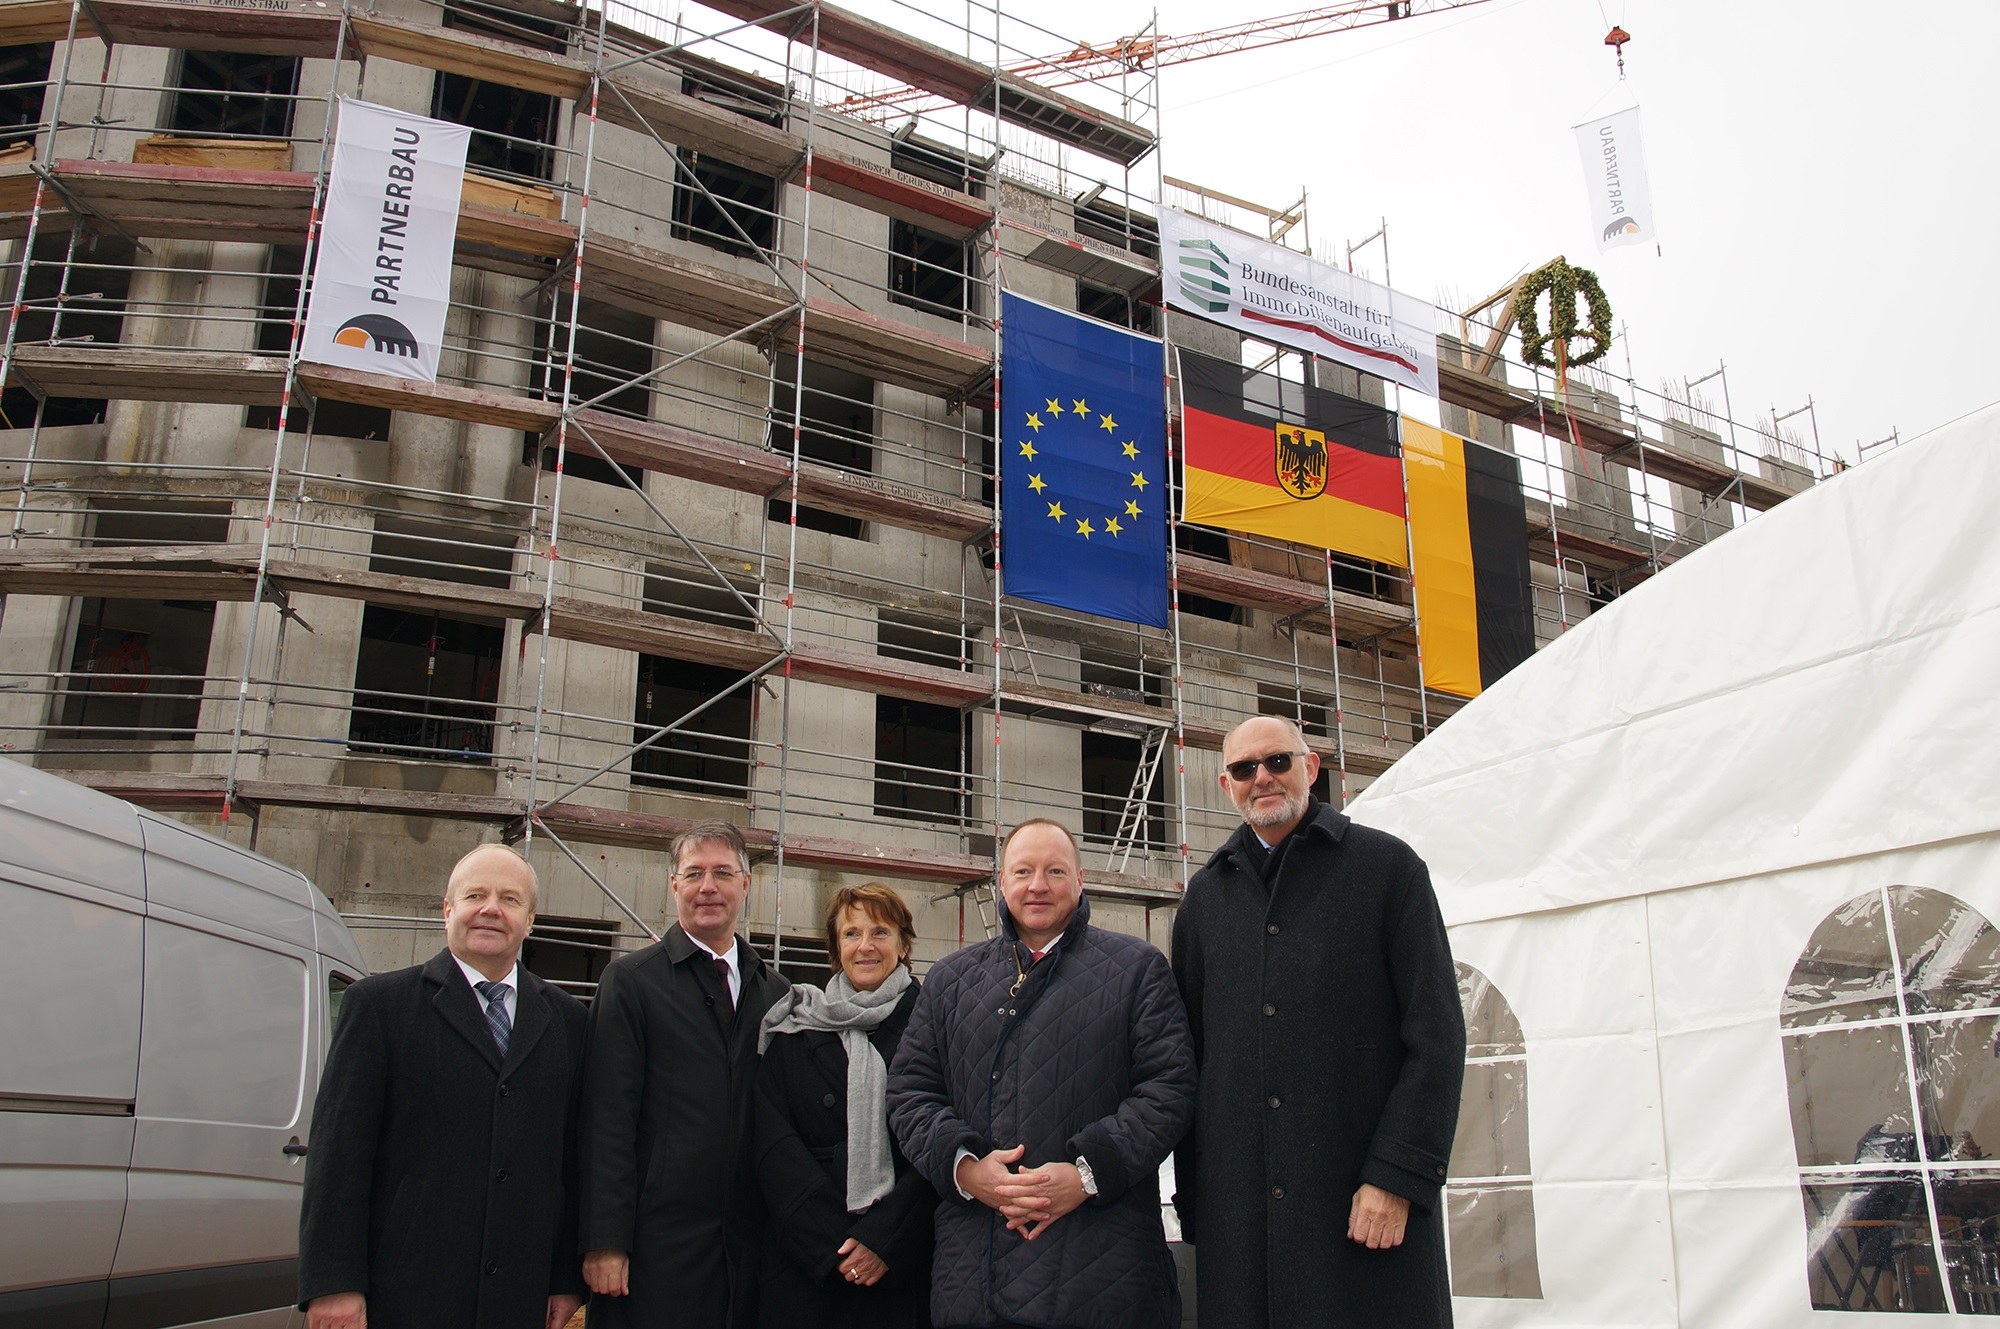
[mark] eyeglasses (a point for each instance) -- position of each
(720, 876)
(1243, 772)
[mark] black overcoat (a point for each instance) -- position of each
(667, 1170)
(440, 1177)
(1326, 1018)
(802, 1164)
(1089, 1055)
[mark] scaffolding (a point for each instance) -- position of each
(699, 518)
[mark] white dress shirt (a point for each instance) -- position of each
(735, 969)
(512, 1001)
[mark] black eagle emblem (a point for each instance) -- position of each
(1300, 461)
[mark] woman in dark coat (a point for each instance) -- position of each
(848, 1239)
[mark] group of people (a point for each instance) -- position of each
(712, 1147)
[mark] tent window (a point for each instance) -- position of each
(1490, 1194)
(1891, 1019)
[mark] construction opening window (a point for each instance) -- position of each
(837, 428)
(230, 94)
(75, 293)
(514, 130)
(335, 419)
(24, 86)
(427, 681)
(928, 271)
(1124, 779)
(136, 667)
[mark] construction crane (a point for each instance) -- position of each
(1088, 63)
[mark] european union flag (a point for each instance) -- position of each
(1083, 464)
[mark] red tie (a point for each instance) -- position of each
(1035, 957)
(722, 973)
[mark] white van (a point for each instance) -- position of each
(165, 1005)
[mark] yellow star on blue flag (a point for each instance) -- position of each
(1091, 397)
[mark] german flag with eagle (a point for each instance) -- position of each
(1270, 457)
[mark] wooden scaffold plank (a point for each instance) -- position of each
(457, 51)
(654, 446)
(473, 405)
(32, 22)
(306, 28)
(150, 373)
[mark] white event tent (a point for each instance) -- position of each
(1719, 867)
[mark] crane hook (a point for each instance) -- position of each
(1616, 39)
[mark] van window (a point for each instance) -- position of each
(336, 987)
(225, 1028)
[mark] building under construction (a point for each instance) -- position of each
(698, 519)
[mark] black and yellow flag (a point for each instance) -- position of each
(1469, 536)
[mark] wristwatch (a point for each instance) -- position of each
(1089, 1178)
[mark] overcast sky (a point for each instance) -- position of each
(1822, 174)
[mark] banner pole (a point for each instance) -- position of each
(307, 262)
(1416, 595)
(1174, 609)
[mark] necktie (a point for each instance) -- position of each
(722, 974)
(1035, 957)
(496, 1012)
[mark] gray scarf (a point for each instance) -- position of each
(871, 1168)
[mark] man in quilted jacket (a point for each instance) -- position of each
(1044, 1076)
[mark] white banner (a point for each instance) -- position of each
(1614, 173)
(382, 281)
(1280, 295)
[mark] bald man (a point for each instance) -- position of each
(1324, 1006)
(441, 1174)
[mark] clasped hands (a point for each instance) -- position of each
(1029, 1199)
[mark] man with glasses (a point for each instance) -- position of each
(672, 1220)
(1330, 1045)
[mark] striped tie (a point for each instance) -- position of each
(496, 995)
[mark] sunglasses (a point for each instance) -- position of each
(1243, 772)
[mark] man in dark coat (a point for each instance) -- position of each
(1326, 1020)
(440, 1186)
(672, 1218)
(1043, 1079)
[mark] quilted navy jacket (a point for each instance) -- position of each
(1091, 1057)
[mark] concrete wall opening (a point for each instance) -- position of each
(928, 271)
(232, 94)
(24, 77)
(84, 304)
(136, 667)
(836, 426)
(276, 308)
(736, 214)
(1124, 780)
(514, 131)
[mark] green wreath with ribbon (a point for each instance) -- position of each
(1563, 283)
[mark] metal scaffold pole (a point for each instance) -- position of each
(792, 490)
(260, 589)
(552, 547)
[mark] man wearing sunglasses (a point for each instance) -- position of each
(1330, 1048)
